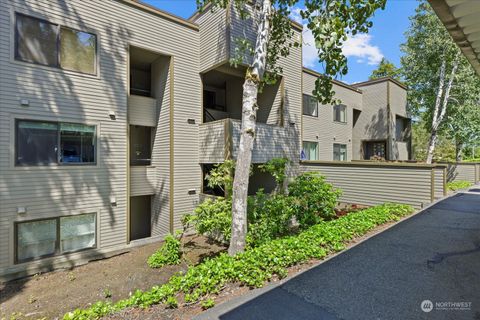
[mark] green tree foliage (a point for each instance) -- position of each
(277, 167)
(221, 176)
(463, 128)
(331, 22)
(385, 69)
(439, 77)
(444, 151)
(310, 200)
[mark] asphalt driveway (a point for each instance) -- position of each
(433, 257)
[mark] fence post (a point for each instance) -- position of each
(432, 185)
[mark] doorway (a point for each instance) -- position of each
(140, 217)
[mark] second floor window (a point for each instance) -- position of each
(310, 150)
(43, 143)
(41, 42)
(310, 106)
(340, 113)
(339, 152)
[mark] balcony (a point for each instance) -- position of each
(142, 180)
(218, 140)
(142, 111)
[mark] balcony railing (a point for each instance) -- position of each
(219, 140)
(142, 180)
(142, 111)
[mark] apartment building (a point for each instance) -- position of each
(112, 112)
(370, 123)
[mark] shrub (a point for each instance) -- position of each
(457, 185)
(315, 199)
(269, 217)
(256, 265)
(169, 253)
(213, 218)
(221, 176)
(277, 168)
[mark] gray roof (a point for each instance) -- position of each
(462, 20)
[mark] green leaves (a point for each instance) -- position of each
(169, 253)
(254, 266)
(277, 168)
(386, 69)
(315, 200)
(458, 185)
(428, 45)
(310, 200)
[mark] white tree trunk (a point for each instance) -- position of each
(249, 113)
(441, 103)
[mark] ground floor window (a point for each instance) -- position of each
(309, 150)
(49, 237)
(339, 152)
(42, 143)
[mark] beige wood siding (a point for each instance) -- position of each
(323, 129)
(143, 180)
(402, 150)
(142, 111)
(270, 141)
(373, 184)
(439, 181)
(57, 95)
(398, 100)
(373, 120)
(462, 171)
(214, 43)
(212, 141)
(161, 147)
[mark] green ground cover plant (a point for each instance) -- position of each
(256, 265)
(169, 253)
(458, 185)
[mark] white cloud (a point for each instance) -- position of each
(358, 46)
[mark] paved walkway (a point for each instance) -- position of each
(434, 256)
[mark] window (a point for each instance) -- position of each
(309, 150)
(43, 143)
(49, 237)
(77, 232)
(39, 41)
(339, 152)
(77, 50)
(340, 113)
(310, 106)
(36, 239)
(140, 145)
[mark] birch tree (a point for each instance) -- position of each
(331, 22)
(439, 78)
(463, 128)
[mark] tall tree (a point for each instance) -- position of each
(438, 76)
(463, 127)
(385, 69)
(331, 22)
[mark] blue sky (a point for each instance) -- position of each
(363, 51)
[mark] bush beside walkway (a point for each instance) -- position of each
(255, 266)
